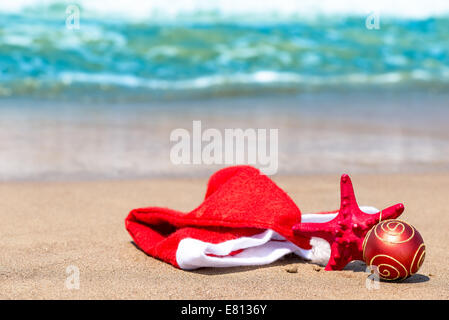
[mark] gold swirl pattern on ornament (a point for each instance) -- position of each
(365, 241)
(392, 230)
(385, 273)
(388, 273)
(420, 259)
(398, 222)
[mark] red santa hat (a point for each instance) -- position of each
(245, 219)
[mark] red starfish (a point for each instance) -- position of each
(346, 232)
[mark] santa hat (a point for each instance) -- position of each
(245, 219)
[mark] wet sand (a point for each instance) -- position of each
(317, 134)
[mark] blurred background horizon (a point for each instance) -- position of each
(352, 86)
(140, 50)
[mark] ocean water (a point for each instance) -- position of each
(138, 51)
(100, 101)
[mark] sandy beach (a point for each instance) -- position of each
(49, 226)
(107, 107)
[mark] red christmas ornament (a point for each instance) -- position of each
(396, 248)
(346, 232)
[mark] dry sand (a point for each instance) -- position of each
(46, 227)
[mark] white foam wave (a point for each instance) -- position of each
(266, 77)
(280, 9)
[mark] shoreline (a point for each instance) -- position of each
(317, 135)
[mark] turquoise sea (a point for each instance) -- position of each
(171, 50)
(93, 89)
